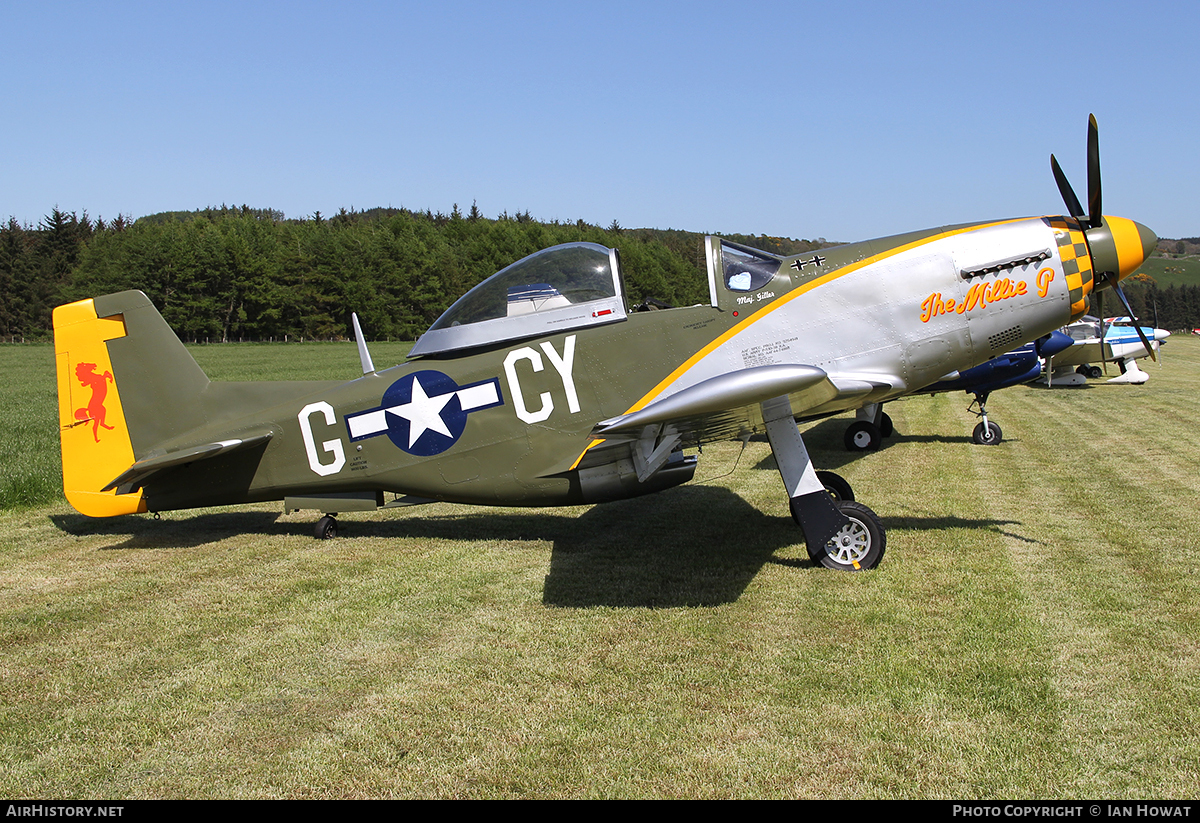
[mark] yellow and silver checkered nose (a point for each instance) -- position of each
(1118, 246)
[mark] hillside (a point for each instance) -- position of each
(1176, 263)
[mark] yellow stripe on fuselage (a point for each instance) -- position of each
(792, 295)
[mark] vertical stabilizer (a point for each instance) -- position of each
(125, 383)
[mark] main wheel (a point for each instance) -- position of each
(1095, 372)
(989, 436)
(836, 485)
(326, 528)
(859, 544)
(862, 436)
(885, 427)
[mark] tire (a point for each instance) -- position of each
(327, 528)
(837, 486)
(885, 427)
(989, 436)
(858, 546)
(1095, 372)
(862, 436)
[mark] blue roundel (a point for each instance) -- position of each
(424, 414)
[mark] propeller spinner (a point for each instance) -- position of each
(1117, 246)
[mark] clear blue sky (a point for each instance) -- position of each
(842, 120)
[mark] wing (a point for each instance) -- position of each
(724, 406)
(721, 408)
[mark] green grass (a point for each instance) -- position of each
(1172, 271)
(30, 470)
(1032, 631)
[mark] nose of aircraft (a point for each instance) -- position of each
(1053, 344)
(1119, 246)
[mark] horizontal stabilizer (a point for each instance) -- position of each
(133, 477)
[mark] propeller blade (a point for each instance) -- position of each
(1093, 161)
(1064, 188)
(1128, 311)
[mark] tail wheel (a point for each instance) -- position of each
(987, 435)
(327, 528)
(859, 544)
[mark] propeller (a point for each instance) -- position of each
(1064, 188)
(1117, 246)
(1094, 215)
(1103, 331)
(1129, 312)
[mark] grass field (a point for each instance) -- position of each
(1032, 632)
(1172, 271)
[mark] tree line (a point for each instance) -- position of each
(231, 273)
(1174, 308)
(222, 274)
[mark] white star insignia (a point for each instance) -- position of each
(423, 412)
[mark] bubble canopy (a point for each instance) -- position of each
(556, 289)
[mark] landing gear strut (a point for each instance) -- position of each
(839, 533)
(986, 433)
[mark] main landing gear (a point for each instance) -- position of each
(858, 545)
(986, 433)
(839, 532)
(855, 546)
(867, 432)
(837, 486)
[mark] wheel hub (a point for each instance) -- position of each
(851, 544)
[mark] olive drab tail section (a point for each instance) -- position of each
(125, 383)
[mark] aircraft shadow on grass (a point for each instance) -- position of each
(689, 546)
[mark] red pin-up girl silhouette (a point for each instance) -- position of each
(86, 372)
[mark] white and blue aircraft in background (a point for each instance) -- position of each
(1122, 344)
